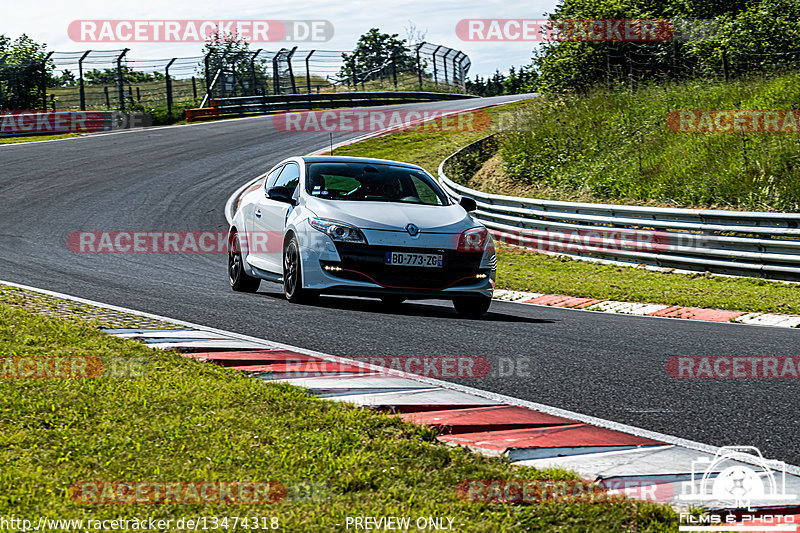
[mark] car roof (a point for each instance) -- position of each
(343, 159)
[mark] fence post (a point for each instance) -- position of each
(194, 89)
(353, 72)
(253, 69)
(208, 73)
(291, 71)
(725, 63)
(308, 72)
(435, 77)
(276, 76)
(2, 63)
(419, 65)
(169, 89)
(444, 62)
(458, 73)
(394, 68)
(44, 81)
(120, 81)
(108, 100)
(80, 80)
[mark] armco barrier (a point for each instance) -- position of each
(258, 105)
(741, 243)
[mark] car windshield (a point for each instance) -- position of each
(373, 182)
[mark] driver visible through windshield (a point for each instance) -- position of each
(372, 182)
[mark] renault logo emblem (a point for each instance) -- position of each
(412, 230)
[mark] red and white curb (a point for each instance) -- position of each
(646, 309)
(527, 433)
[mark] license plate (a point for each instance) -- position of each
(412, 259)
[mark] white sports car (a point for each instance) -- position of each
(363, 227)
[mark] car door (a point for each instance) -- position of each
(269, 221)
(256, 255)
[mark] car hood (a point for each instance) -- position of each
(389, 216)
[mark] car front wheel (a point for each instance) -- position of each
(472, 306)
(292, 275)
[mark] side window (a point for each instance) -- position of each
(272, 176)
(290, 177)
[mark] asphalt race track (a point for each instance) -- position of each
(179, 178)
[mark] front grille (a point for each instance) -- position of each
(366, 263)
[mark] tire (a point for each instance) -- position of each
(293, 276)
(238, 278)
(472, 306)
(392, 300)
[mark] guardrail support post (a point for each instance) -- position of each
(120, 81)
(308, 72)
(353, 73)
(80, 80)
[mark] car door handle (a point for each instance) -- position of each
(258, 213)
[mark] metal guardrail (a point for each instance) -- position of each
(744, 243)
(259, 105)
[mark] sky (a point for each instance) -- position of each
(47, 22)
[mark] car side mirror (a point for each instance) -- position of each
(468, 203)
(280, 194)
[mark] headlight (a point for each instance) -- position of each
(473, 240)
(338, 231)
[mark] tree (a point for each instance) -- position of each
(375, 51)
(231, 58)
(21, 72)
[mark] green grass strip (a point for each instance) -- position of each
(190, 421)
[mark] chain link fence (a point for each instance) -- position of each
(633, 63)
(113, 79)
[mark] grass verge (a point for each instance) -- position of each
(34, 138)
(189, 421)
(616, 146)
(524, 270)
